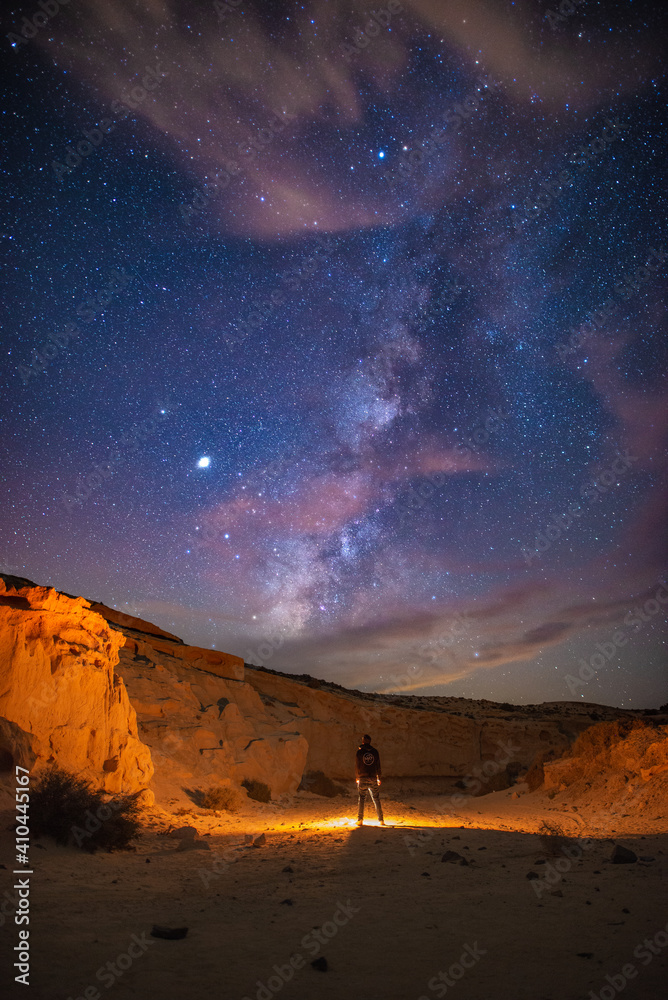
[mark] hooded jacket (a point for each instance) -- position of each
(367, 762)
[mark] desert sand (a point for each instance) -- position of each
(391, 913)
(460, 895)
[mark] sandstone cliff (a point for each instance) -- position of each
(115, 698)
(58, 690)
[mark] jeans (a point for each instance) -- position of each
(371, 786)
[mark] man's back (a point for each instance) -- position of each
(367, 762)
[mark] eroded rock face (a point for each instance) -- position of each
(444, 737)
(57, 684)
(205, 729)
(111, 697)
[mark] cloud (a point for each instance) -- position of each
(226, 82)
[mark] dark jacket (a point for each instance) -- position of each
(367, 762)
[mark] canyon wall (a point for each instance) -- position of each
(59, 694)
(130, 706)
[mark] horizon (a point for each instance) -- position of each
(400, 694)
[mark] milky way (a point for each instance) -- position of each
(338, 341)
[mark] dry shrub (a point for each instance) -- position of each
(221, 797)
(66, 808)
(552, 838)
(257, 790)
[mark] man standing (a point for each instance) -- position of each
(367, 775)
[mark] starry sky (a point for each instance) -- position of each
(339, 342)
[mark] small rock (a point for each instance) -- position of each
(556, 892)
(320, 964)
(585, 954)
(457, 837)
(453, 856)
(482, 848)
(625, 910)
(540, 862)
(425, 874)
(532, 875)
(169, 933)
(287, 869)
(184, 833)
(286, 902)
(596, 872)
(622, 856)
(259, 841)
(193, 845)
(148, 860)
(640, 858)
(248, 838)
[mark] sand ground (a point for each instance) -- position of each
(390, 913)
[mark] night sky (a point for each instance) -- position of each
(347, 360)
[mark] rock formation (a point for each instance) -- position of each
(114, 698)
(58, 690)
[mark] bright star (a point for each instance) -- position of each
(204, 462)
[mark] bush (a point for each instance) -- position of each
(221, 797)
(66, 808)
(257, 790)
(552, 838)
